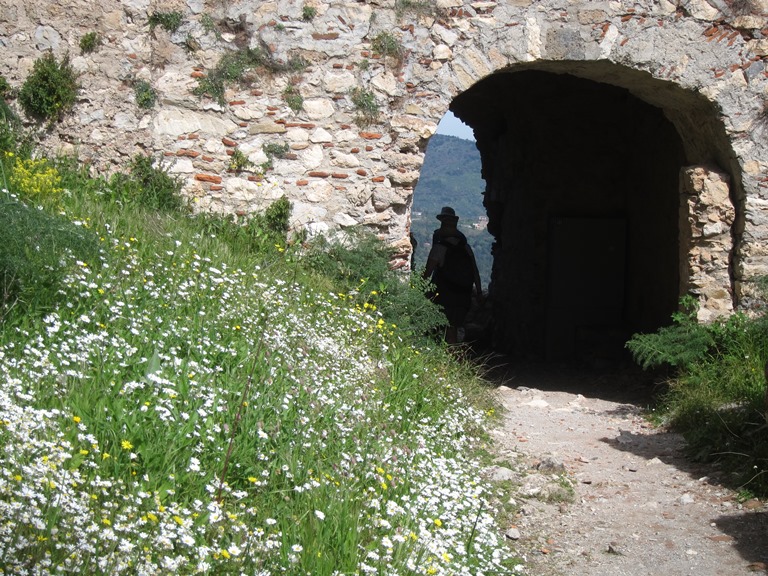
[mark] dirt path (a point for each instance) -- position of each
(604, 493)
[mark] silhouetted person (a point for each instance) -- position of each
(452, 269)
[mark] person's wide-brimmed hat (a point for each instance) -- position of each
(447, 213)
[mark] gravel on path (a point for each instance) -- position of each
(600, 491)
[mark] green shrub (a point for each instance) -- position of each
(716, 396)
(359, 266)
(146, 185)
(250, 233)
(145, 94)
(293, 98)
(231, 68)
(169, 21)
(276, 218)
(295, 64)
(367, 108)
(681, 344)
(36, 251)
(308, 13)
(89, 42)
(50, 90)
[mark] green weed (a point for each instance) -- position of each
(146, 185)
(209, 25)
(89, 42)
(358, 267)
(366, 106)
(239, 161)
(145, 94)
(293, 98)
(233, 68)
(168, 21)
(273, 150)
(389, 46)
(14, 141)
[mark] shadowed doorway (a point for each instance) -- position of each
(583, 199)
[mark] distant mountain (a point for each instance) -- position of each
(450, 176)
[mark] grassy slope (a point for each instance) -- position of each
(186, 405)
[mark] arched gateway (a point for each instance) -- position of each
(623, 143)
(608, 202)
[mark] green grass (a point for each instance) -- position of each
(198, 394)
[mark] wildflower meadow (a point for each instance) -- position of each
(178, 404)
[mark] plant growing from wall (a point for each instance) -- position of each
(308, 13)
(50, 90)
(367, 108)
(5, 88)
(293, 98)
(191, 43)
(415, 7)
(239, 161)
(209, 25)
(168, 21)
(234, 66)
(388, 46)
(295, 64)
(89, 42)
(145, 94)
(273, 150)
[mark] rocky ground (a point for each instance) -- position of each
(604, 492)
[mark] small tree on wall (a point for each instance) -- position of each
(50, 90)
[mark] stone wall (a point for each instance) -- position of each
(701, 62)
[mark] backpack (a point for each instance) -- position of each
(458, 268)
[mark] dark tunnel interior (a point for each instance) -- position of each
(583, 200)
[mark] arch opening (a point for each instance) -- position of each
(588, 194)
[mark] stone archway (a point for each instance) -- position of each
(695, 69)
(608, 202)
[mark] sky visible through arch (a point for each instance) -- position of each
(452, 126)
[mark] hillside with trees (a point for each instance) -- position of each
(451, 177)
